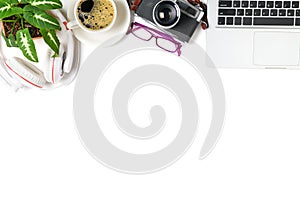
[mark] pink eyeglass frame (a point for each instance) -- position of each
(157, 35)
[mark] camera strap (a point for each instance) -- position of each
(134, 4)
(203, 6)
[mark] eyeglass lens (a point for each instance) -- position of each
(142, 34)
(166, 44)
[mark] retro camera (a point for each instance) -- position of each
(177, 17)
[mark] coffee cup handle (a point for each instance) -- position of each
(72, 24)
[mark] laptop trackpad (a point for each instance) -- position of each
(276, 49)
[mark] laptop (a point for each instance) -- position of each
(254, 34)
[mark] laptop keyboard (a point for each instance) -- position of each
(244, 13)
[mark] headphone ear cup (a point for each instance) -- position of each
(8, 79)
(70, 47)
(54, 73)
(26, 73)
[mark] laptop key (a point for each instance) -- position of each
(265, 12)
(240, 12)
(247, 21)
(225, 4)
(257, 12)
(297, 21)
(253, 4)
(221, 20)
(238, 21)
(245, 4)
(264, 21)
(229, 21)
(273, 12)
(270, 4)
(287, 4)
(236, 4)
(248, 12)
(295, 4)
(278, 4)
(230, 12)
(290, 13)
(261, 4)
(282, 12)
(297, 12)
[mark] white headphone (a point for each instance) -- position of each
(24, 72)
(18, 72)
(55, 71)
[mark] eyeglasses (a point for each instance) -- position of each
(163, 41)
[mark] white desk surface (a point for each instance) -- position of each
(41, 156)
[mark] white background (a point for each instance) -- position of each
(41, 156)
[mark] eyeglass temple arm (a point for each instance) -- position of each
(179, 49)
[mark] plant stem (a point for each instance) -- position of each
(13, 27)
(22, 23)
(22, 20)
(15, 21)
(10, 20)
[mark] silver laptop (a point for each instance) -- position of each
(254, 34)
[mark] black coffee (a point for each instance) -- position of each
(87, 6)
(96, 16)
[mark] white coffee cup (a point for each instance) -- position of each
(76, 23)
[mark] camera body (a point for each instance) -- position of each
(177, 17)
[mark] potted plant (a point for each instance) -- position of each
(23, 20)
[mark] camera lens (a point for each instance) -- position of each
(166, 14)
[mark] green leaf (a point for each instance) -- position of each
(51, 39)
(14, 2)
(40, 18)
(7, 9)
(11, 2)
(10, 40)
(46, 4)
(23, 1)
(26, 44)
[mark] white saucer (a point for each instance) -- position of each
(110, 37)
